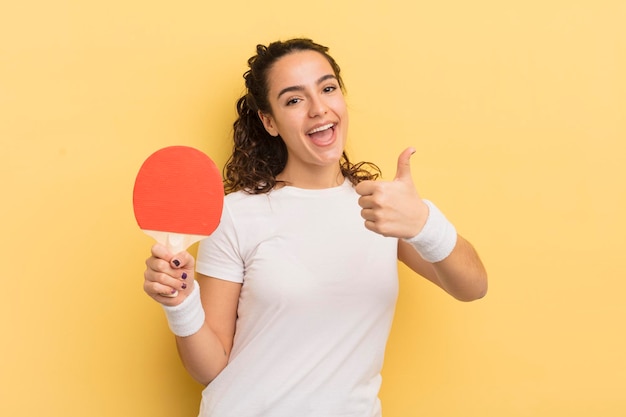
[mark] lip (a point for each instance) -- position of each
(322, 126)
(329, 137)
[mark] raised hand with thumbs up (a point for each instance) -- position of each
(393, 208)
(429, 243)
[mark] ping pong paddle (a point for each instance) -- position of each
(178, 197)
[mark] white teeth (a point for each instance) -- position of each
(319, 129)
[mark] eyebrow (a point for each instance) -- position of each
(300, 87)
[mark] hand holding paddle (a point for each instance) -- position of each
(178, 197)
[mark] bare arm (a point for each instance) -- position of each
(205, 353)
(461, 274)
(394, 208)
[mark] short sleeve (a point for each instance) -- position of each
(219, 255)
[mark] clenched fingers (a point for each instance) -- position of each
(168, 276)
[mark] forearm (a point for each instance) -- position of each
(202, 354)
(200, 348)
(202, 321)
(461, 273)
(444, 257)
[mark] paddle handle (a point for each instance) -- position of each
(175, 242)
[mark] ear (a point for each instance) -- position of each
(268, 123)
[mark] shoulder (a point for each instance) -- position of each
(241, 205)
(242, 197)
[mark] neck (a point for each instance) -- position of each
(326, 177)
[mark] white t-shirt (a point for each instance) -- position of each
(316, 305)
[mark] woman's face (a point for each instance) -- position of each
(309, 112)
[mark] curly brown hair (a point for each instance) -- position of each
(258, 157)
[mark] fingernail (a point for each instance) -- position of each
(176, 262)
(184, 275)
(184, 286)
(174, 291)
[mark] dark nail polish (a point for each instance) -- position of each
(176, 262)
(184, 286)
(174, 291)
(184, 275)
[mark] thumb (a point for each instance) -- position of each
(404, 165)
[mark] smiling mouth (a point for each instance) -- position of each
(321, 128)
(323, 135)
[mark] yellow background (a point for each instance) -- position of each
(517, 110)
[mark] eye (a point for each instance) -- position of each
(330, 88)
(293, 101)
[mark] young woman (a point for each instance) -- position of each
(287, 310)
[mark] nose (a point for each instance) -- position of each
(318, 106)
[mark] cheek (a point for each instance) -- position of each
(345, 122)
(341, 109)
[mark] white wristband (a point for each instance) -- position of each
(437, 238)
(186, 318)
